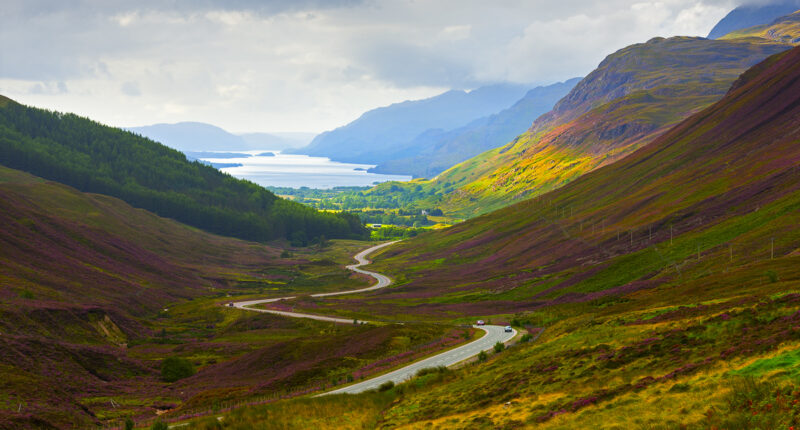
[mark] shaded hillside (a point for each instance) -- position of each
(375, 135)
(437, 150)
(96, 158)
(632, 97)
(80, 274)
(750, 15)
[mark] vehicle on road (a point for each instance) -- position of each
(508, 329)
(480, 322)
(230, 304)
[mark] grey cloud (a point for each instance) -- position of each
(34, 8)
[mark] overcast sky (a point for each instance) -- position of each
(274, 65)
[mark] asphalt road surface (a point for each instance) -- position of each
(494, 334)
(454, 356)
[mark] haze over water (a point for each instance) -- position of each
(289, 170)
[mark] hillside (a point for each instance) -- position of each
(435, 151)
(633, 96)
(146, 174)
(703, 180)
(661, 289)
(375, 135)
(751, 15)
(81, 275)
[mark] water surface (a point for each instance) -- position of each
(292, 170)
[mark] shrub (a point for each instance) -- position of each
(526, 337)
(772, 276)
(26, 294)
(482, 356)
(499, 347)
(429, 370)
(386, 386)
(159, 425)
(129, 424)
(286, 254)
(175, 368)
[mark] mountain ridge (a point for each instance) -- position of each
(750, 15)
(372, 136)
(434, 151)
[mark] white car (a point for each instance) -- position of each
(480, 322)
(508, 329)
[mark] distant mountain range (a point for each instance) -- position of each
(752, 15)
(436, 150)
(377, 135)
(785, 29)
(198, 137)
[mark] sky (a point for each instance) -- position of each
(307, 65)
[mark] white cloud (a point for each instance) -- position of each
(311, 65)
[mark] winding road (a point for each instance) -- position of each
(454, 356)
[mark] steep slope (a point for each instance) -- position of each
(632, 97)
(750, 15)
(785, 29)
(435, 151)
(371, 138)
(96, 158)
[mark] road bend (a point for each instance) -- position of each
(493, 333)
